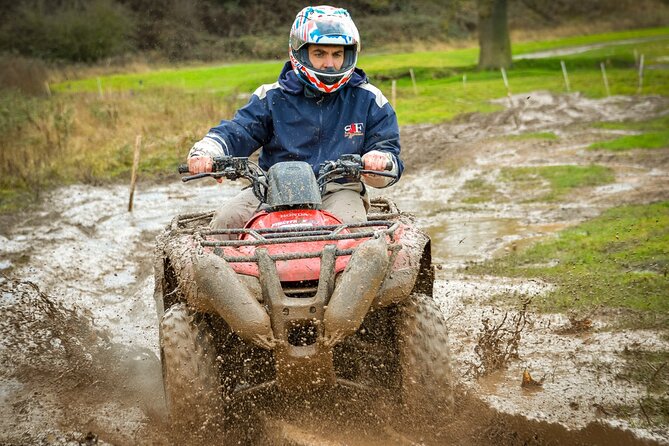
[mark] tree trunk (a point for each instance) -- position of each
(494, 41)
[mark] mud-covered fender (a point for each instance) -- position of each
(356, 290)
(218, 287)
(411, 269)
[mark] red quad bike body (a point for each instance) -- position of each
(297, 300)
(297, 270)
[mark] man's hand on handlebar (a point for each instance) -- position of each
(379, 161)
(376, 160)
(201, 164)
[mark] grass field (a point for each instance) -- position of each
(653, 134)
(84, 132)
(441, 92)
(620, 260)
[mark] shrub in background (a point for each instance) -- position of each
(79, 32)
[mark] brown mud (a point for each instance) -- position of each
(78, 328)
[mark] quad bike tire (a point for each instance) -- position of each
(190, 374)
(426, 387)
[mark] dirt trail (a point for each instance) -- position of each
(79, 349)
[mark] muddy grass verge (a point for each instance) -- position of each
(536, 214)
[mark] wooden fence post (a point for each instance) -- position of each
(393, 92)
(506, 84)
(606, 81)
(135, 165)
(565, 76)
(640, 88)
(413, 81)
(508, 94)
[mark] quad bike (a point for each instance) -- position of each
(297, 300)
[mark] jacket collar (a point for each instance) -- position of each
(291, 84)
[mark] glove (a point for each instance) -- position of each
(376, 160)
(206, 147)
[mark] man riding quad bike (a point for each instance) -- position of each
(300, 281)
(297, 300)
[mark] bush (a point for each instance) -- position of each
(81, 33)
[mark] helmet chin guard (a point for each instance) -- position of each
(323, 25)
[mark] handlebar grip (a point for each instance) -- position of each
(183, 168)
(389, 165)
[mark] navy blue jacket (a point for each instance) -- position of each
(292, 123)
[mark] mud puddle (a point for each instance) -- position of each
(366, 419)
(86, 358)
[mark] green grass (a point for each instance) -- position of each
(478, 190)
(561, 180)
(652, 125)
(652, 140)
(442, 94)
(618, 260)
(528, 47)
(219, 80)
(541, 183)
(654, 134)
(649, 369)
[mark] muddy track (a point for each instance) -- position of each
(78, 345)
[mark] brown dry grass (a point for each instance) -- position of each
(90, 139)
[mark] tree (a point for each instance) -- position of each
(493, 29)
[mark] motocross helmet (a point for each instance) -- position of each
(323, 25)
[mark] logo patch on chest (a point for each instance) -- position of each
(352, 130)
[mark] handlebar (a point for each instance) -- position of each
(229, 167)
(232, 168)
(348, 167)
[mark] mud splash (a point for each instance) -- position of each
(80, 354)
(79, 329)
(56, 366)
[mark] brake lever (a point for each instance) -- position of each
(197, 176)
(379, 173)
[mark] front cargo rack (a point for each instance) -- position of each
(382, 223)
(283, 236)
